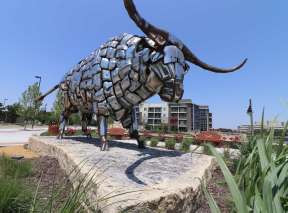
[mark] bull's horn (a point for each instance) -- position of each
(189, 56)
(162, 37)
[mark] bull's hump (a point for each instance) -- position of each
(110, 76)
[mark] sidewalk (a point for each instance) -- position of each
(17, 136)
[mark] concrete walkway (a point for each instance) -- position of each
(17, 136)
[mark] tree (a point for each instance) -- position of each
(2, 112)
(12, 112)
(58, 106)
(29, 106)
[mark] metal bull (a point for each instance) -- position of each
(124, 72)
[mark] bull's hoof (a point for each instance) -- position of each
(60, 137)
(104, 146)
(88, 136)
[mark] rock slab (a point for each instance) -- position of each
(149, 180)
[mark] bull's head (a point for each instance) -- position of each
(175, 54)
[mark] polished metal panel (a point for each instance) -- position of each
(114, 103)
(106, 75)
(118, 90)
(132, 98)
(120, 114)
(111, 52)
(124, 71)
(143, 93)
(115, 76)
(99, 96)
(125, 83)
(105, 63)
(173, 55)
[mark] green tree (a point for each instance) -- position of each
(29, 106)
(12, 116)
(2, 112)
(58, 106)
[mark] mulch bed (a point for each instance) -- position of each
(220, 192)
(51, 179)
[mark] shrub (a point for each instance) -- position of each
(170, 144)
(179, 138)
(162, 137)
(70, 132)
(185, 146)
(154, 142)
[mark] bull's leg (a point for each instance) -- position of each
(84, 124)
(133, 130)
(102, 129)
(63, 120)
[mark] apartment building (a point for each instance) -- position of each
(258, 126)
(153, 115)
(183, 116)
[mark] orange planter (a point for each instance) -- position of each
(53, 129)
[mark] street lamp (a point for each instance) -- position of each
(250, 113)
(40, 78)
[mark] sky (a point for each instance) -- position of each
(47, 38)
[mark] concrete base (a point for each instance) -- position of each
(150, 180)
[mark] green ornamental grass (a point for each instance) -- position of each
(154, 142)
(185, 146)
(260, 183)
(170, 144)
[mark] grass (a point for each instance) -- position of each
(170, 144)
(13, 168)
(185, 146)
(15, 196)
(260, 183)
(154, 142)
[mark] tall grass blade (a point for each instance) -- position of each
(282, 139)
(211, 202)
(262, 154)
(262, 122)
(235, 192)
(34, 203)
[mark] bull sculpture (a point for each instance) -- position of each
(125, 71)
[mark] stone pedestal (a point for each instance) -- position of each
(150, 180)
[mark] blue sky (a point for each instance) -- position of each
(48, 37)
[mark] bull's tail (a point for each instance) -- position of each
(41, 98)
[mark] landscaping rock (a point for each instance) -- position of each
(150, 180)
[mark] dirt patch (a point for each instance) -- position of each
(18, 151)
(52, 180)
(220, 192)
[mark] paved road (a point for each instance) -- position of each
(17, 136)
